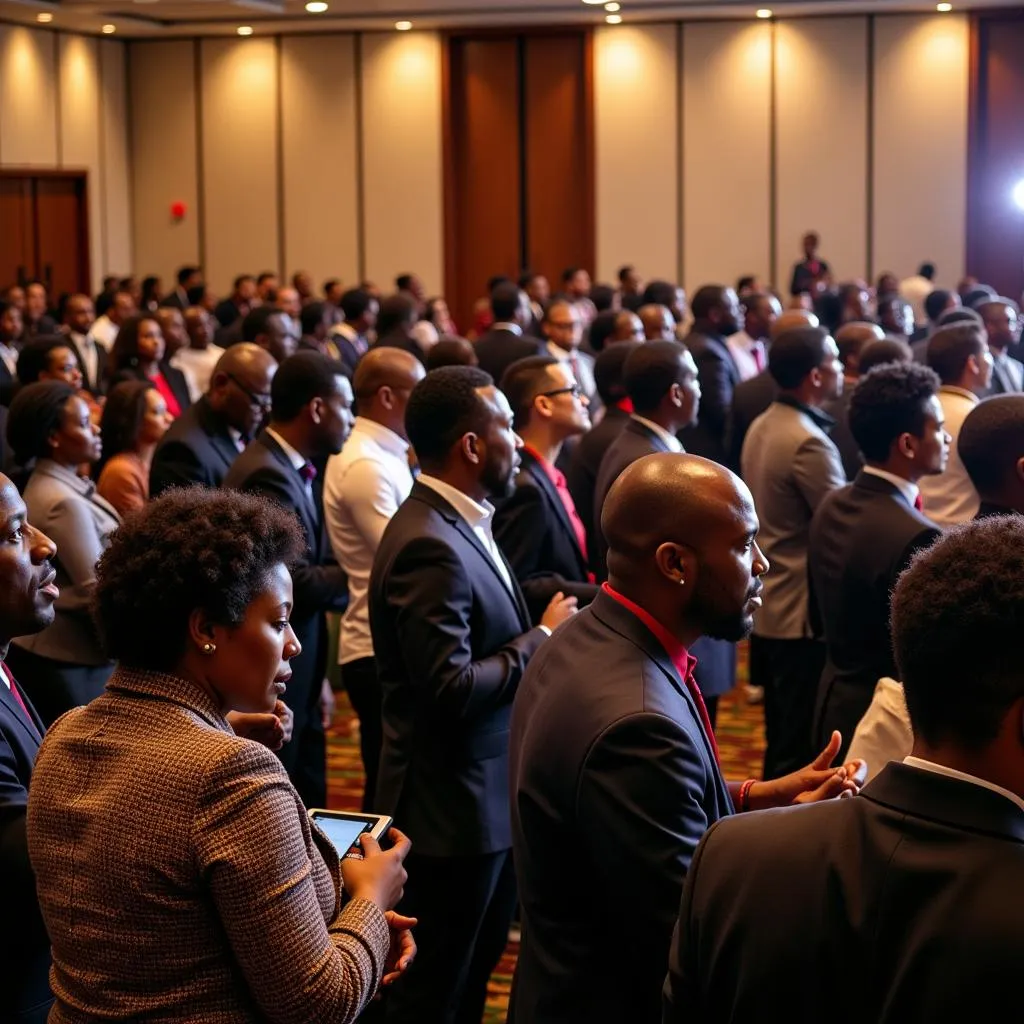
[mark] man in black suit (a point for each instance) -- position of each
(172, 326)
(863, 535)
(902, 906)
(238, 303)
(188, 277)
(271, 329)
(506, 341)
(1000, 319)
(352, 335)
(398, 315)
(716, 312)
(310, 417)
(538, 528)
(205, 440)
(615, 773)
(451, 634)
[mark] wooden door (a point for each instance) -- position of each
(62, 234)
(17, 231)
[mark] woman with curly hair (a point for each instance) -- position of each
(200, 889)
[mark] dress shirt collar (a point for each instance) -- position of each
(236, 437)
(673, 442)
(474, 513)
(294, 457)
(346, 331)
(677, 652)
(505, 325)
(952, 773)
(383, 436)
(743, 341)
(819, 416)
(6, 678)
(905, 487)
(952, 389)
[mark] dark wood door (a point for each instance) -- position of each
(17, 230)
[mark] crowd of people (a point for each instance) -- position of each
(543, 541)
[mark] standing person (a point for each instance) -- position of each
(749, 346)
(363, 487)
(1002, 327)
(506, 340)
(452, 637)
(811, 274)
(563, 329)
(916, 288)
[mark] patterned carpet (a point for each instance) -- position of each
(740, 733)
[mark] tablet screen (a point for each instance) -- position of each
(342, 832)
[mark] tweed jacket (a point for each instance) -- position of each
(179, 875)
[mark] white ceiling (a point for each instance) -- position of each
(176, 18)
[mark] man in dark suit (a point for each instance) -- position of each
(863, 535)
(615, 773)
(1000, 319)
(398, 315)
(916, 882)
(205, 440)
(716, 312)
(451, 634)
(310, 417)
(538, 528)
(352, 335)
(172, 326)
(188, 277)
(238, 303)
(506, 341)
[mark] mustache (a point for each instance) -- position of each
(756, 590)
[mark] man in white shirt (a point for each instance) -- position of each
(960, 355)
(749, 346)
(198, 358)
(916, 288)
(363, 487)
(104, 330)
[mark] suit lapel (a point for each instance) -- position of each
(7, 699)
(220, 440)
(553, 498)
(653, 439)
(305, 506)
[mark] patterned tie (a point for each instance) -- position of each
(308, 472)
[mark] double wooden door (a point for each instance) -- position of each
(44, 229)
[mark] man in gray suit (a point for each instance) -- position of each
(790, 465)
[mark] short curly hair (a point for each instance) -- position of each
(889, 401)
(442, 408)
(957, 614)
(991, 441)
(190, 548)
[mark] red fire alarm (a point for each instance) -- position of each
(178, 210)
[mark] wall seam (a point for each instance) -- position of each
(360, 225)
(869, 185)
(197, 74)
(773, 180)
(680, 159)
(58, 107)
(279, 135)
(101, 123)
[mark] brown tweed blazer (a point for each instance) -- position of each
(179, 876)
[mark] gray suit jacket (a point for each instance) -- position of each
(790, 465)
(70, 512)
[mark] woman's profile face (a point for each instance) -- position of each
(249, 668)
(77, 441)
(151, 342)
(156, 418)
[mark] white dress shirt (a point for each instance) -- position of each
(909, 490)
(884, 733)
(363, 486)
(743, 349)
(197, 365)
(6, 679)
(479, 518)
(952, 773)
(673, 442)
(949, 497)
(93, 356)
(512, 328)
(10, 357)
(104, 331)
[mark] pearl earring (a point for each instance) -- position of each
(209, 648)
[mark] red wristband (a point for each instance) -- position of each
(744, 800)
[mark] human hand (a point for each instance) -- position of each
(818, 781)
(327, 704)
(558, 610)
(378, 876)
(272, 729)
(402, 951)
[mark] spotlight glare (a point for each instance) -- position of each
(316, 6)
(613, 7)
(764, 12)
(943, 8)
(245, 30)
(109, 30)
(614, 19)
(44, 18)
(403, 26)
(1018, 194)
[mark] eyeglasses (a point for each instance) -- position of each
(260, 399)
(576, 391)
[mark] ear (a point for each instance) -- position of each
(1019, 469)
(906, 445)
(316, 410)
(677, 563)
(386, 396)
(472, 448)
(816, 377)
(200, 629)
(542, 406)
(675, 394)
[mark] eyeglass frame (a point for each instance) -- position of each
(260, 401)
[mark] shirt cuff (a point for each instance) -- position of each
(546, 629)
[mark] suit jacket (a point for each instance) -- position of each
(226, 312)
(197, 449)
(719, 376)
(452, 643)
(910, 881)
(176, 381)
(24, 944)
(175, 300)
(93, 383)
(862, 537)
(750, 399)
(609, 761)
(8, 384)
(67, 509)
(1007, 377)
(790, 466)
(497, 350)
(536, 536)
(228, 902)
(841, 435)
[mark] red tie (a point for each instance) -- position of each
(758, 353)
(308, 472)
(918, 503)
(705, 718)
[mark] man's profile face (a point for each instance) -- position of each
(27, 590)
(501, 444)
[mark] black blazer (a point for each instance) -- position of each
(584, 464)
(718, 377)
(537, 538)
(95, 386)
(498, 350)
(613, 784)
(398, 338)
(862, 537)
(8, 384)
(174, 377)
(197, 449)
(24, 944)
(175, 300)
(750, 399)
(841, 435)
(914, 886)
(451, 642)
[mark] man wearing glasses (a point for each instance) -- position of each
(563, 329)
(203, 442)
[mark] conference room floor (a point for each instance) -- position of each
(740, 734)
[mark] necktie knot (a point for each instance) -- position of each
(308, 472)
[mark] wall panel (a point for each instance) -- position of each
(821, 142)
(28, 97)
(726, 164)
(116, 162)
(402, 170)
(163, 156)
(318, 132)
(636, 163)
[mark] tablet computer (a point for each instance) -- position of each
(344, 828)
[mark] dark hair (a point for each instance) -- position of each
(569, 273)
(747, 281)
(851, 344)
(196, 294)
(978, 294)
(430, 310)
(889, 401)
(395, 310)
(794, 353)
(450, 351)
(660, 293)
(624, 272)
(190, 548)
(650, 371)
(524, 280)
(522, 381)
(256, 320)
(240, 280)
(124, 353)
(311, 316)
(957, 616)
(708, 298)
(149, 290)
(36, 412)
(403, 282)
(121, 420)
(602, 296)
(935, 302)
(601, 329)
(184, 273)
(991, 440)
(927, 270)
(34, 358)
(303, 377)
(949, 348)
(504, 301)
(354, 303)
(882, 351)
(442, 407)
(958, 315)
(330, 283)
(265, 275)
(609, 378)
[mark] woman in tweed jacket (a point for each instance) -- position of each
(178, 873)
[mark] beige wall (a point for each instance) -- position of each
(62, 106)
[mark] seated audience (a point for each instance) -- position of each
(187, 277)
(120, 306)
(438, 316)
(936, 303)
(895, 316)
(271, 329)
(38, 322)
(10, 345)
(137, 355)
(913, 879)
(235, 907)
(452, 352)
(49, 358)
(176, 339)
(200, 355)
(657, 322)
(238, 303)
(749, 345)
(398, 315)
(1002, 328)
(315, 320)
(152, 294)
(77, 328)
(673, 298)
(352, 336)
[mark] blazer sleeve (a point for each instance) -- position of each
(299, 969)
(431, 599)
(716, 390)
(923, 540)
(72, 528)
(121, 485)
(817, 469)
(175, 464)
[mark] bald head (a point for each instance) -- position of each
(851, 339)
(240, 386)
(658, 322)
(384, 379)
(793, 318)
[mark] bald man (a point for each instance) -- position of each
(658, 322)
(615, 773)
(363, 486)
(204, 441)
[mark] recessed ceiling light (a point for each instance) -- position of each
(594, 2)
(109, 30)
(943, 7)
(403, 26)
(44, 17)
(245, 30)
(316, 6)
(613, 7)
(614, 19)
(764, 13)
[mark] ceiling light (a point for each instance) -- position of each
(614, 19)
(764, 13)
(267, 6)
(943, 8)
(595, 2)
(613, 7)
(109, 30)
(316, 6)
(44, 17)
(403, 26)
(245, 30)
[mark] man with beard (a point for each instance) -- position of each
(452, 637)
(615, 773)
